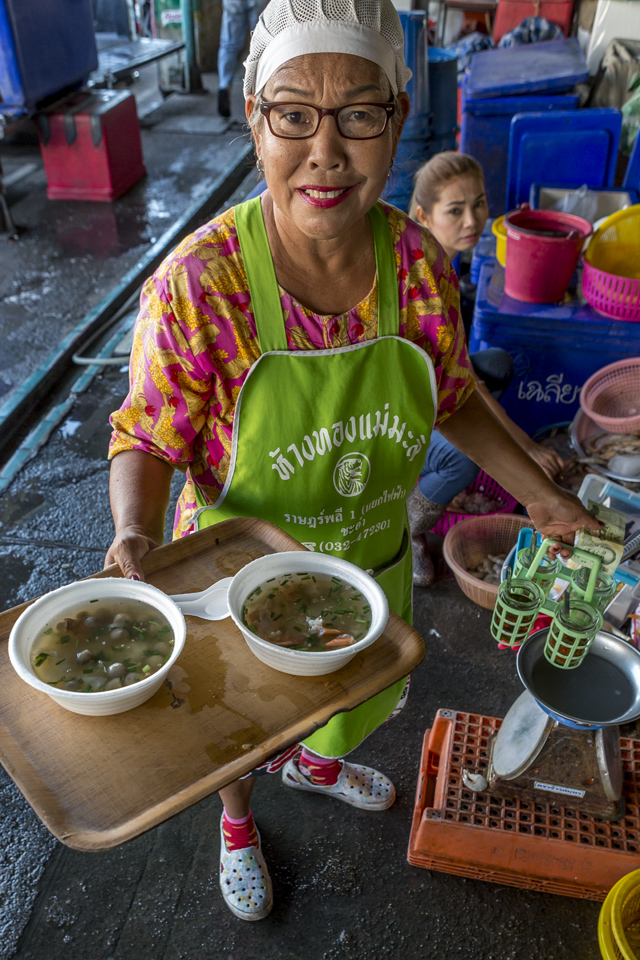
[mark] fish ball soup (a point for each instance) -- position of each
(105, 645)
(305, 611)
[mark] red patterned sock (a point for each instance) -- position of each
(321, 770)
(239, 834)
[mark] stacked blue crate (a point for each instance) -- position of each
(412, 149)
(46, 47)
(429, 131)
(501, 83)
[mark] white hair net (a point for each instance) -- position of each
(290, 28)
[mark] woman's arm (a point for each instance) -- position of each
(547, 458)
(139, 488)
(474, 430)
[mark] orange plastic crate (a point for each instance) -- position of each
(538, 846)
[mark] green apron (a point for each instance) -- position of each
(327, 444)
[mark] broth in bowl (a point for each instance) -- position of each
(307, 611)
(103, 645)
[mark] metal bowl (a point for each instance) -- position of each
(603, 691)
(582, 429)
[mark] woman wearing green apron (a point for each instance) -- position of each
(293, 356)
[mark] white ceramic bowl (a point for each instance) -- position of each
(305, 663)
(45, 610)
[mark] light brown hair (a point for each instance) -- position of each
(436, 173)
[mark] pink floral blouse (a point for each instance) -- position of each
(195, 340)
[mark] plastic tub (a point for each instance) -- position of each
(469, 542)
(58, 603)
(610, 295)
(305, 663)
(500, 233)
(619, 920)
(539, 266)
(611, 280)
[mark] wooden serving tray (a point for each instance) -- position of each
(98, 781)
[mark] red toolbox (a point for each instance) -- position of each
(510, 13)
(90, 145)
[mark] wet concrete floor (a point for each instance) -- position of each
(343, 888)
(72, 253)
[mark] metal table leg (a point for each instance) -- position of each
(5, 213)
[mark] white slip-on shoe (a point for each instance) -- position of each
(359, 786)
(245, 881)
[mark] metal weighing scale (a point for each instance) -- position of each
(560, 742)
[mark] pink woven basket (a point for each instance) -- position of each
(486, 485)
(611, 396)
(613, 296)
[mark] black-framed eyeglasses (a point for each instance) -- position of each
(299, 121)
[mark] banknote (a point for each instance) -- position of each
(607, 543)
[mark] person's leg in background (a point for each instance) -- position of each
(446, 473)
(254, 9)
(233, 31)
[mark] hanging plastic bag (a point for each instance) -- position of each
(582, 202)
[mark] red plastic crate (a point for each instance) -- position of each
(90, 144)
(537, 846)
(505, 503)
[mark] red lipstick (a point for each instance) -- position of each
(310, 194)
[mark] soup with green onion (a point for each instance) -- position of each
(305, 611)
(104, 645)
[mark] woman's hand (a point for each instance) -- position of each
(547, 458)
(559, 516)
(139, 487)
(127, 550)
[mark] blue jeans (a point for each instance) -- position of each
(447, 471)
(237, 17)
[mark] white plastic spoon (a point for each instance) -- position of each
(209, 604)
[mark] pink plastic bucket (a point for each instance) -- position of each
(542, 253)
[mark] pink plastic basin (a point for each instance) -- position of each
(543, 247)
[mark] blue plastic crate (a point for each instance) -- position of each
(443, 91)
(412, 153)
(630, 185)
(570, 147)
(414, 28)
(46, 46)
(550, 67)
(555, 347)
(485, 130)
(484, 250)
